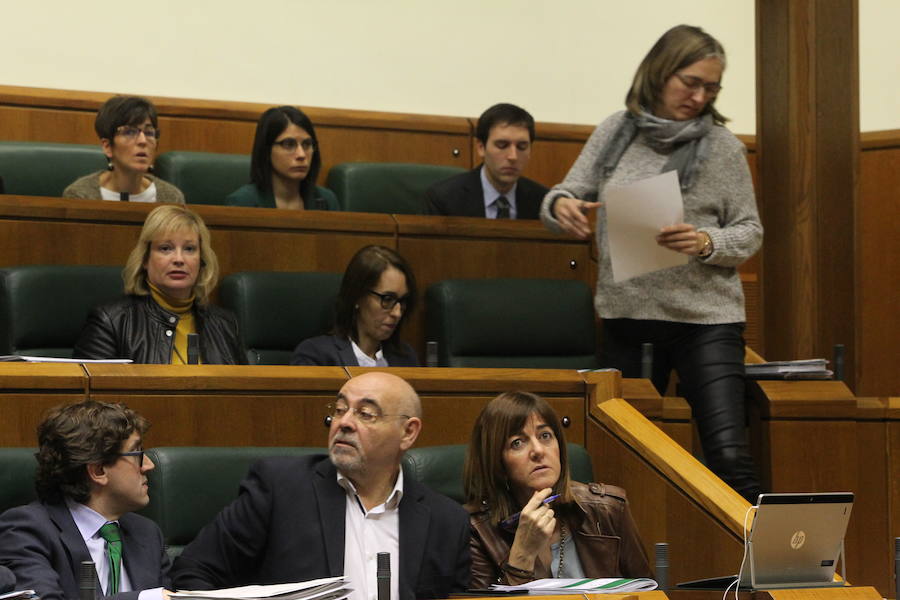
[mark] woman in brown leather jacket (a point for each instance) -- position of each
(168, 278)
(516, 464)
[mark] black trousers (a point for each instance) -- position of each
(709, 360)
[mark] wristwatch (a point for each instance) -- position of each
(707, 248)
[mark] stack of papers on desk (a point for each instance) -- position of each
(813, 368)
(329, 588)
(580, 586)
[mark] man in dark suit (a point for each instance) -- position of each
(324, 516)
(496, 188)
(91, 475)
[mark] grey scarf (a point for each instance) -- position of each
(688, 138)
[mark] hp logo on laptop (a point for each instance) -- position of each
(798, 539)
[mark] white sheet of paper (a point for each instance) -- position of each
(634, 215)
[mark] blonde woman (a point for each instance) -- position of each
(168, 279)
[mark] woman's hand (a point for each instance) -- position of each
(536, 526)
(571, 214)
(683, 238)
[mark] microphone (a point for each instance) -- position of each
(123, 196)
(646, 361)
(87, 581)
(383, 576)
(431, 354)
(661, 567)
(193, 349)
(839, 362)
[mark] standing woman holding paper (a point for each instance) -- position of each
(692, 314)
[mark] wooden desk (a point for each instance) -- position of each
(29, 390)
(816, 436)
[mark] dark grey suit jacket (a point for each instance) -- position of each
(336, 351)
(287, 524)
(42, 546)
(463, 196)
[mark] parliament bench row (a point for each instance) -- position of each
(190, 485)
(45, 169)
(525, 323)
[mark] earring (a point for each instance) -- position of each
(109, 165)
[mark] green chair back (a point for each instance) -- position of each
(44, 307)
(191, 484)
(204, 177)
(17, 470)
(46, 168)
(277, 310)
(393, 188)
(514, 323)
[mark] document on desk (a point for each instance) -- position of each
(634, 215)
(329, 588)
(580, 586)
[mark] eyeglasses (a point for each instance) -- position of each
(365, 414)
(389, 301)
(290, 144)
(138, 453)
(711, 88)
(131, 133)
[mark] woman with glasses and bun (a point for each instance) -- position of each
(284, 165)
(129, 135)
(528, 518)
(377, 291)
(692, 314)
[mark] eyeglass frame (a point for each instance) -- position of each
(308, 145)
(138, 453)
(132, 132)
(692, 84)
(390, 300)
(365, 418)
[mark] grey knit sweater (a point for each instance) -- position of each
(721, 203)
(88, 188)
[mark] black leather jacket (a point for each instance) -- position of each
(138, 328)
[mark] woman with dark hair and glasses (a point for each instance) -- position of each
(378, 290)
(284, 166)
(693, 314)
(129, 135)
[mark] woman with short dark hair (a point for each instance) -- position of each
(284, 165)
(529, 520)
(129, 136)
(693, 314)
(377, 292)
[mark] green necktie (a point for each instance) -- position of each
(110, 533)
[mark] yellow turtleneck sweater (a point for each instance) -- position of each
(186, 323)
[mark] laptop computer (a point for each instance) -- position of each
(795, 542)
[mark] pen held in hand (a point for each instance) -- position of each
(513, 519)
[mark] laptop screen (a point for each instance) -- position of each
(796, 539)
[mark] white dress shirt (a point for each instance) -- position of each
(367, 534)
(364, 360)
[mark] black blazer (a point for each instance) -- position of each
(42, 546)
(335, 351)
(287, 524)
(463, 196)
(136, 327)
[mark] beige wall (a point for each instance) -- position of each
(567, 61)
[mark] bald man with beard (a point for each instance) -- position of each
(322, 516)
